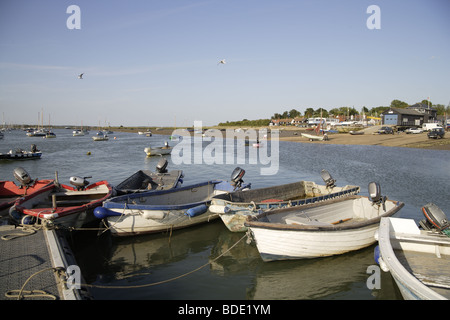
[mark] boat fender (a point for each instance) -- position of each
(214, 208)
(27, 220)
(195, 211)
(102, 212)
(153, 215)
(15, 215)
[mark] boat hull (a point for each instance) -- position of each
(73, 208)
(160, 210)
(318, 230)
(10, 192)
(235, 213)
(158, 151)
(416, 259)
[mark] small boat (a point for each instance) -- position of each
(321, 229)
(165, 210)
(50, 135)
(78, 133)
(356, 132)
(10, 191)
(158, 151)
(417, 258)
(61, 204)
(235, 207)
(100, 136)
(146, 180)
(20, 154)
(147, 133)
(313, 137)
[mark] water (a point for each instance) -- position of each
(413, 176)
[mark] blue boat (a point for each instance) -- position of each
(165, 210)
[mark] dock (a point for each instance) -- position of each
(33, 265)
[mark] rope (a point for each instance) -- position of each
(19, 294)
(27, 230)
(168, 280)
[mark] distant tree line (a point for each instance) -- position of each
(342, 111)
(351, 111)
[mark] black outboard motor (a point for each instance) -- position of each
(79, 182)
(236, 177)
(375, 194)
(162, 165)
(327, 178)
(22, 176)
(435, 219)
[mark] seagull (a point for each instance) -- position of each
(80, 76)
(221, 62)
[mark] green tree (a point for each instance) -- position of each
(398, 104)
(309, 112)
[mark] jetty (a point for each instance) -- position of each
(34, 264)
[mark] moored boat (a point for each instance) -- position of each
(158, 151)
(162, 210)
(100, 136)
(10, 191)
(61, 204)
(321, 229)
(313, 137)
(418, 259)
(235, 207)
(20, 154)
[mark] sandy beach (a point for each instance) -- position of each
(370, 137)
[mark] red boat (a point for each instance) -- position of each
(10, 191)
(61, 204)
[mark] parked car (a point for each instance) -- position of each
(436, 133)
(414, 130)
(385, 130)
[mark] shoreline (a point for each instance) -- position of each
(369, 138)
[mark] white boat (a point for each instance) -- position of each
(100, 136)
(321, 229)
(147, 133)
(158, 151)
(313, 137)
(78, 133)
(162, 210)
(417, 259)
(235, 207)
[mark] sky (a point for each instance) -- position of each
(156, 62)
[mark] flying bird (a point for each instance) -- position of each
(80, 76)
(221, 62)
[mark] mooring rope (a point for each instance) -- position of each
(20, 294)
(167, 280)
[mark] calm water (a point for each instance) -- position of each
(413, 176)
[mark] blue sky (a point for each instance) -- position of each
(155, 62)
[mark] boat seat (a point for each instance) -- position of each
(78, 193)
(305, 221)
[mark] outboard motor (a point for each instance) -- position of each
(375, 194)
(79, 182)
(327, 178)
(162, 165)
(435, 219)
(236, 177)
(22, 176)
